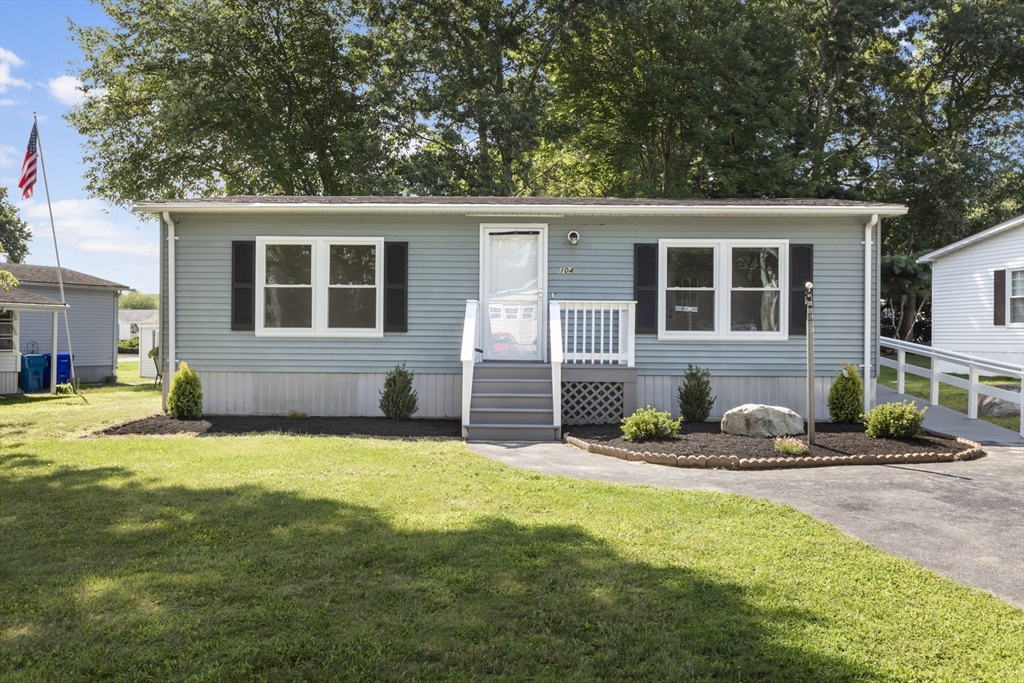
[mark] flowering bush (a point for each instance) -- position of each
(789, 445)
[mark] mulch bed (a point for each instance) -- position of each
(217, 425)
(836, 444)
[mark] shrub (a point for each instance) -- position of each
(695, 399)
(894, 420)
(154, 352)
(789, 445)
(398, 400)
(846, 397)
(128, 345)
(185, 398)
(647, 424)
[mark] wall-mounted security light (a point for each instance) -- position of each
(573, 237)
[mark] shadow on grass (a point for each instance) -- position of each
(106, 575)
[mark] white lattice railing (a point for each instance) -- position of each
(470, 353)
(975, 364)
(597, 332)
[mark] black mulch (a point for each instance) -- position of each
(212, 425)
(706, 438)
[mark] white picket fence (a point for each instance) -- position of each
(975, 365)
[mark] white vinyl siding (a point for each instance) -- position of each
(963, 299)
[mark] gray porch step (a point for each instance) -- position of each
(510, 416)
(490, 371)
(513, 432)
(512, 400)
(511, 386)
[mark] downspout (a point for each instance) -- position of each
(172, 363)
(868, 304)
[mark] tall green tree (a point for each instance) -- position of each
(14, 232)
(201, 97)
(479, 77)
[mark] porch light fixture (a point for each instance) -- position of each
(573, 237)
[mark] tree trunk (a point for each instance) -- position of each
(908, 316)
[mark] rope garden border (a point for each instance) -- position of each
(735, 462)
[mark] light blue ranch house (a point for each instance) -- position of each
(517, 315)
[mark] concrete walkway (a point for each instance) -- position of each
(964, 520)
(948, 421)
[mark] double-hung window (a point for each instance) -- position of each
(1016, 296)
(7, 331)
(319, 287)
(729, 289)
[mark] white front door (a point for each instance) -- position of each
(512, 284)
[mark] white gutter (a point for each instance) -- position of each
(515, 209)
(172, 363)
(869, 302)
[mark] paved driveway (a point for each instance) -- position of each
(963, 519)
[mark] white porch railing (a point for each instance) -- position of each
(557, 358)
(470, 354)
(974, 363)
(597, 332)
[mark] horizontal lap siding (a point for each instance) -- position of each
(92, 316)
(444, 272)
(602, 265)
(963, 299)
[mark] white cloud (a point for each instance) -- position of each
(8, 156)
(8, 61)
(66, 90)
(85, 226)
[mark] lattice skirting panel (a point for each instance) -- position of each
(591, 402)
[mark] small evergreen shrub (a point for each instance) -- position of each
(398, 400)
(128, 346)
(695, 399)
(846, 397)
(185, 398)
(647, 424)
(894, 421)
(789, 445)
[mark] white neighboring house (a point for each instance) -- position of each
(978, 295)
(149, 336)
(128, 320)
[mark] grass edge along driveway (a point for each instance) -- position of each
(304, 558)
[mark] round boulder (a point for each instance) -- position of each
(754, 419)
(998, 407)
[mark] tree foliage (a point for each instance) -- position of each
(138, 301)
(14, 232)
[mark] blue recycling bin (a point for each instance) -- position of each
(63, 369)
(33, 365)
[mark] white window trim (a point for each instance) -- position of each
(320, 277)
(723, 289)
(14, 333)
(1010, 297)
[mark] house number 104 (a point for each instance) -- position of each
(565, 271)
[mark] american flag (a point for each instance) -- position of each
(28, 169)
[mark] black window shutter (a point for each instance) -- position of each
(645, 287)
(243, 285)
(801, 271)
(999, 286)
(396, 287)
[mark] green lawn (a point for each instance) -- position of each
(949, 396)
(305, 558)
(128, 372)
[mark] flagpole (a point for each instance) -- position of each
(60, 274)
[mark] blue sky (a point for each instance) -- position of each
(37, 60)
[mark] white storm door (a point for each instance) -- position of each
(514, 265)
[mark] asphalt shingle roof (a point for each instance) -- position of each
(48, 275)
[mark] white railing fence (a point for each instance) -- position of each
(975, 365)
(557, 358)
(470, 356)
(597, 332)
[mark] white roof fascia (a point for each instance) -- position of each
(491, 210)
(32, 307)
(933, 256)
